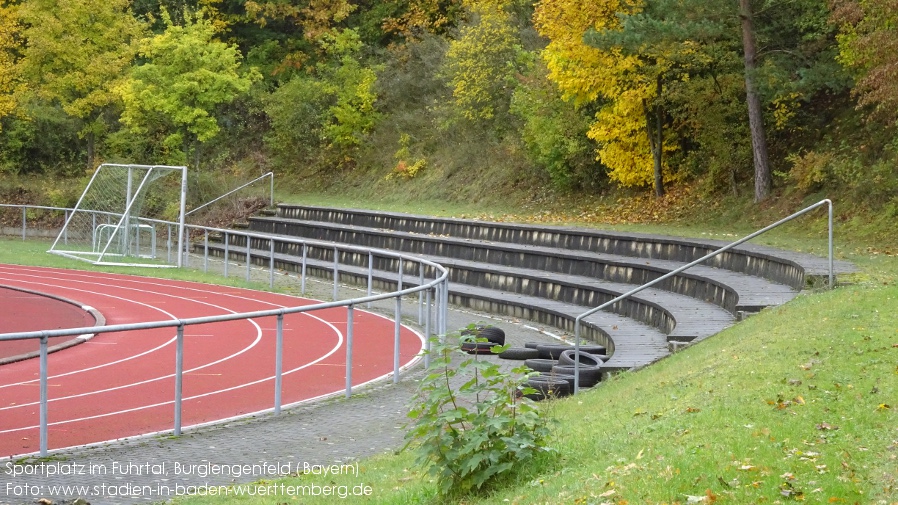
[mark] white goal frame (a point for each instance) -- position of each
(109, 240)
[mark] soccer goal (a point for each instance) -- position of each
(124, 215)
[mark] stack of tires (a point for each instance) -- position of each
(556, 364)
(494, 336)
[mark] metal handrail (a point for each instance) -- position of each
(578, 320)
(436, 292)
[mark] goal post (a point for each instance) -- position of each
(119, 216)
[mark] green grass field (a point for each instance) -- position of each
(797, 403)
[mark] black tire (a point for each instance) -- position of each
(541, 365)
(589, 375)
(532, 345)
(548, 388)
(552, 351)
(477, 347)
(519, 353)
(594, 349)
(567, 358)
(561, 376)
(493, 334)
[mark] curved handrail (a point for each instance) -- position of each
(578, 320)
(436, 291)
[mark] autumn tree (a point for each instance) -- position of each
(185, 74)
(414, 18)
(869, 46)
(620, 82)
(77, 51)
(9, 29)
(481, 62)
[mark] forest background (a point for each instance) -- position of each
(597, 111)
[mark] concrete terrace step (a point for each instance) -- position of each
(630, 342)
(680, 317)
(551, 274)
(785, 267)
(733, 291)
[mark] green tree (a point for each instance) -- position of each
(330, 107)
(77, 51)
(185, 74)
(481, 63)
(555, 131)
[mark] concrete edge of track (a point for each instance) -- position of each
(99, 320)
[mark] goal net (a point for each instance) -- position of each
(126, 215)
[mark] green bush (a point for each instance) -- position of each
(470, 423)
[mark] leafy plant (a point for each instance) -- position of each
(470, 421)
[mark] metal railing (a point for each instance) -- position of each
(432, 308)
(578, 321)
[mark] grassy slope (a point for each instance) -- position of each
(798, 402)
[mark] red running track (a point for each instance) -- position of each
(122, 384)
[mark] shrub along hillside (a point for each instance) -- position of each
(558, 106)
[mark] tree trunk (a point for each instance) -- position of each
(656, 137)
(755, 119)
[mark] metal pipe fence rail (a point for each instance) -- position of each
(578, 321)
(432, 308)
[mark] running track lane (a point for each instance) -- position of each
(122, 384)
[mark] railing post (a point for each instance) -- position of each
(302, 280)
(349, 334)
(179, 372)
(205, 250)
(249, 257)
(336, 270)
(427, 329)
(576, 355)
(370, 274)
(278, 362)
(398, 327)
(153, 240)
(831, 269)
(438, 313)
(420, 293)
(43, 408)
(185, 254)
(271, 263)
(168, 243)
(226, 254)
(445, 327)
(24, 221)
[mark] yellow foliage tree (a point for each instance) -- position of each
(8, 30)
(622, 84)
